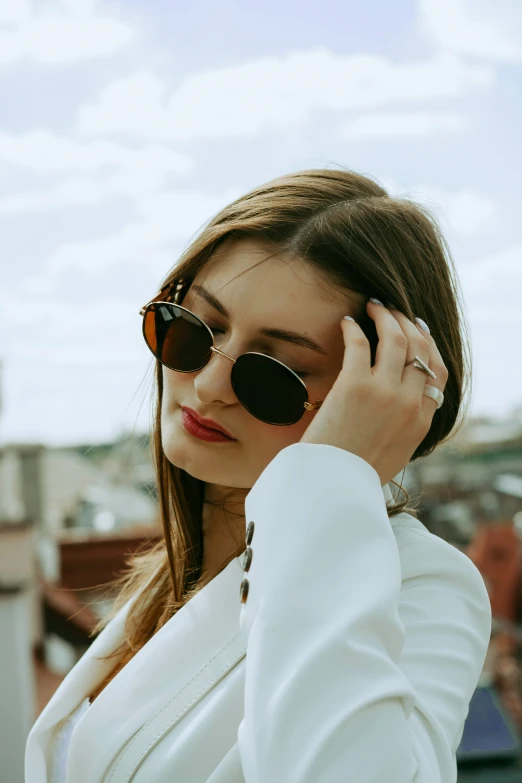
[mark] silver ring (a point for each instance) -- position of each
(434, 393)
(417, 362)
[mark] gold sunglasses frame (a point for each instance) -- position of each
(164, 296)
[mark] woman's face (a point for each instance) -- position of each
(277, 294)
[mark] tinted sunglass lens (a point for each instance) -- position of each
(176, 337)
(268, 390)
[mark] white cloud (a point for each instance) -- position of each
(59, 33)
(466, 212)
(89, 359)
(114, 170)
(45, 320)
(401, 124)
(272, 94)
(45, 152)
(479, 28)
(166, 219)
(492, 290)
(15, 11)
(493, 285)
(463, 212)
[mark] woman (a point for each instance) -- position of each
(298, 624)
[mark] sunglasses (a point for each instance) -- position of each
(181, 341)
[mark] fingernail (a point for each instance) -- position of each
(423, 325)
(348, 318)
(376, 301)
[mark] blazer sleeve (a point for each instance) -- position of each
(351, 671)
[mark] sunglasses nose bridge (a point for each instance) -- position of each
(221, 353)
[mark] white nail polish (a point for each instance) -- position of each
(348, 318)
(423, 325)
(376, 301)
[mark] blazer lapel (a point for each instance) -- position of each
(157, 674)
(81, 680)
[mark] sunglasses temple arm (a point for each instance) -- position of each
(160, 296)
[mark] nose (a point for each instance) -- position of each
(213, 382)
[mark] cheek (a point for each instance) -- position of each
(264, 443)
(174, 384)
(270, 440)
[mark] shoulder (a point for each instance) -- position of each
(426, 556)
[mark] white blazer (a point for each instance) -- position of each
(354, 656)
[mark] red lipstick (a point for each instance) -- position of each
(204, 429)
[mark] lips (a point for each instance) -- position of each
(210, 423)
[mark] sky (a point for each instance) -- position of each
(125, 126)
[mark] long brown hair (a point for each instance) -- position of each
(348, 228)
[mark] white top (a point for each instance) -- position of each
(60, 746)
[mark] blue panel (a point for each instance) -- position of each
(489, 732)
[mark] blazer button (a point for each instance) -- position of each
(243, 590)
(249, 533)
(247, 558)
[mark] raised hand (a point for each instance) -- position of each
(380, 413)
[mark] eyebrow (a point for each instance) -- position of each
(276, 334)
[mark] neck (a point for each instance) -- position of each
(223, 526)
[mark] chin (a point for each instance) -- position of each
(182, 451)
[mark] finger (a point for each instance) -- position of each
(422, 344)
(440, 370)
(392, 346)
(417, 346)
(357, 356)
(436, 361)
